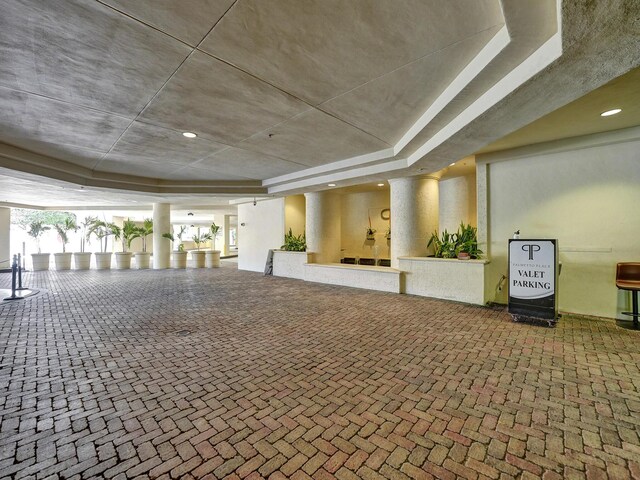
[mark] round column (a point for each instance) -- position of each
(322, 226)
(5, 231)
(161, 246)
(414, 216)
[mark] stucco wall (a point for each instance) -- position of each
(587, 196)
(263, 229)
(294, 214)
(457, 202)
(356, 208)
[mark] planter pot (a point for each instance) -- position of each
(82, 260)
(464, 256)
(142, 260)
(63, 261)
(103, 261)
(179, 259)
(123, 260)
(198, 259)
(371, 237)
(213, 258)
(40, 261)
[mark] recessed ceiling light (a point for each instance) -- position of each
(608, 113)
(331, 184)
(452, 164)
(189, 134)
(381, 184)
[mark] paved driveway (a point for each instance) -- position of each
(220, 373)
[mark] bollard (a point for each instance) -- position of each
(20, 287)
(14, 273)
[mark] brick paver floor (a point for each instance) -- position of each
(228, 374)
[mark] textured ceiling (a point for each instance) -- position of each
(286, 95)
(270, 87)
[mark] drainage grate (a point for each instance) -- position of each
(183, 333)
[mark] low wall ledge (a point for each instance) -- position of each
(479, 261)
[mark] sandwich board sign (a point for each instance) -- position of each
(533, 279)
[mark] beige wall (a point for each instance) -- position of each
(457, 202)
(356, 207)
(588, 198)
(294, 214)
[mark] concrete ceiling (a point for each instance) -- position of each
(284, 95)
(582, 116)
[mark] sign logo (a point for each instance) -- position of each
(530, 248)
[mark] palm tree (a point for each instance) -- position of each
(63, 228)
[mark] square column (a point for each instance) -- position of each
(5, 235)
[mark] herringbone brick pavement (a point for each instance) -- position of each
(227, 374)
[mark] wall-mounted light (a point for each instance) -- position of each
(189, 134)
(331, 184)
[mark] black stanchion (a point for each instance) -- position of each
(14, 274)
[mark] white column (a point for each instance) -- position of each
(226, 236)
(414, 216)
(322, 226)
(5, 233)
(161, 246)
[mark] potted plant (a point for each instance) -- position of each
(142, 258)
(102, 230)
(293, 243)
(213, 256)
(371, 232)
(467, 245)
(126, 234)
(462, 244)
(179, 255)
(82, 259)
(198, 256)
(63, 260)
(40, 260)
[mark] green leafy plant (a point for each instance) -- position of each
(468, 241)
(126, 234)
(36, 229)
(102, 230)
(84, 226)
(144, 231)
(63, 228)
(201, 238)
(179, 235)
(214, 232)
(449, 245)
(293, 243)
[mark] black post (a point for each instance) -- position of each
(634, 300)
(14, 272)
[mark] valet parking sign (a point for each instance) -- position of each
(533, 278)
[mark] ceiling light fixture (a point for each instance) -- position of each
(608, 113)
(331, 184)
(452, 164)
(189, 134)
(381, 184)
